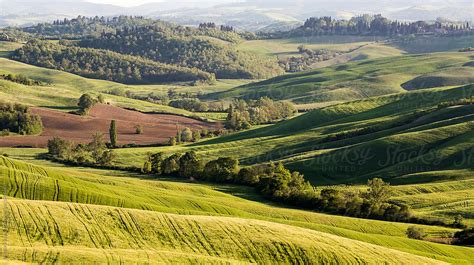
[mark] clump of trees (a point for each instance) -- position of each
(464, 237)
(18, 119)
(462, 101)
(242, 114)
(187, 135)
(184, 48)
(103, 64)
(373, 25)
(85, 103)
(94, 153)
(415, 233)
(277, 183)
(21, 79)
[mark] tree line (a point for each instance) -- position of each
(21, 79)
(94, 153)
(18, 119)
(102, 64)
(277, 183)
(372, 25)
(242, 114)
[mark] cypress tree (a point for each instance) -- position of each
(113, 133)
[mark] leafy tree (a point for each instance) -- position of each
(464, 237)
(146, 169)
(85, 103)
(107, 65)
(101, 99)
(186, 135)
(458, 221)
(138, 129)
(113, 133)
(97, 147)
(59, 147)
(223, 169)
(171, 165)
(415, 232)
(190, 165)
(156, 161)
(107, 157)
(196, 136)
(172, 141)
(378, 191)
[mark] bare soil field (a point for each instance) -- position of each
(157, 128)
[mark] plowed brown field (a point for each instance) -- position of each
(157, 128)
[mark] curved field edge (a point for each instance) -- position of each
(40, 224)
(28, 181)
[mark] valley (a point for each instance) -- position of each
(128, 139)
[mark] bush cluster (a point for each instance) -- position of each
(17, 118)
(94, 153)
(242, 114)
(21, 79)
(277, 183)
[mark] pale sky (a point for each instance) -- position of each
(139, 2)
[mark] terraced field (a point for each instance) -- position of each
(49, 221)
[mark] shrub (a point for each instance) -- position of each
(85, 103)
(415, 232)
(138, 129)
(17, 118)
(223, 169)
(464, 237)
(59, 148)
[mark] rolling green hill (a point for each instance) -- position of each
(358, 80)
(404, 138)
(59, 215)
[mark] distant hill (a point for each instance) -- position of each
(245, 15)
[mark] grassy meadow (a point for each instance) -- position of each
(358, 80)
(73, 202)
(377, 112)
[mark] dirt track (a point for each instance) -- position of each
(157, 128)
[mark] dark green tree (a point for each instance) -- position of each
(190, 165)
(85, 103)
(113, 134)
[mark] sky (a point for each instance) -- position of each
(129, 3)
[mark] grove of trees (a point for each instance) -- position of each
(373, 25)
(103, 64)
(242, 114)
(277, 183)
(94, 153)
(18, 119)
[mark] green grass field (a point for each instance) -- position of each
(358, 80)
(380, 98)
(58, 212)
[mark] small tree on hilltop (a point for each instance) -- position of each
(113, 133)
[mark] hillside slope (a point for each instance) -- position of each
(133, 208)
(357, 80)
